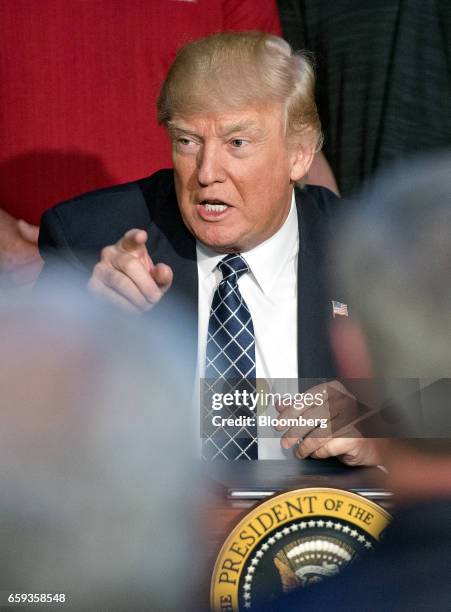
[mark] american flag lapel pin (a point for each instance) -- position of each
(339, 309)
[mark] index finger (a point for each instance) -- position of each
(133, 240)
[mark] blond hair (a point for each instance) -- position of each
(234, 70)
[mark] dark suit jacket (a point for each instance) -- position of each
(75, 232)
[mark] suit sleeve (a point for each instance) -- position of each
(60, 260)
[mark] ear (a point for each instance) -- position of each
(301, 158)
(350, 349)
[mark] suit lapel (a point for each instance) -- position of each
(170, 243)
(314, 305)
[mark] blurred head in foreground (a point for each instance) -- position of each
(395, 258)
(96, 479)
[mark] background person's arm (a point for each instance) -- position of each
(321, 174)
(20, 262)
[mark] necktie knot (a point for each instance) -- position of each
(232, 267)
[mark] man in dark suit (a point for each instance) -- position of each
(240, 111)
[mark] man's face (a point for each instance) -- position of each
(234, 174)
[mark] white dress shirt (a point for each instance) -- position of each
(270, 292)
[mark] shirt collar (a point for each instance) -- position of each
(266, 260)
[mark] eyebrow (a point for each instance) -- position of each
(177, 129)
(241, 126)
(228, 130)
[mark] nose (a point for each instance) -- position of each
(209, 166)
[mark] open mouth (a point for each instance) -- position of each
(212, 208)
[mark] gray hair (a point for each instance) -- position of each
(395, 260)
(395, 257)
(97, 476)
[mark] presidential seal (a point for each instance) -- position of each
(291, 541)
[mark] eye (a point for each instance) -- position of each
(184, 142)
(186, 145)
(238, 143)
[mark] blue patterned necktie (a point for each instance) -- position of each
(230, 363)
